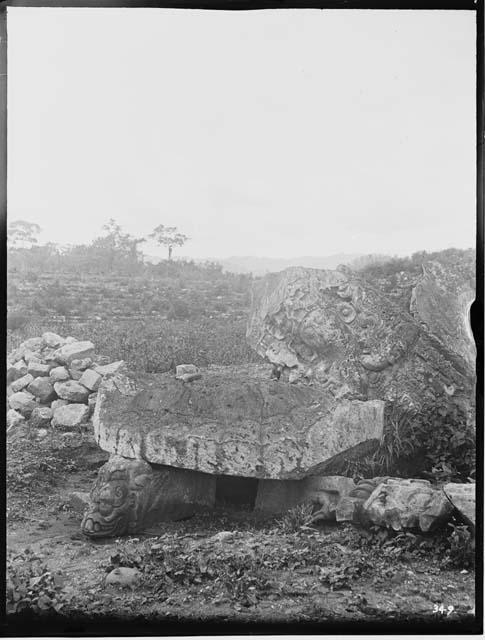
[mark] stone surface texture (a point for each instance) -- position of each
(70, 415)
(41, 417)
(400, 504)
(22, 382)
(43, 389)
(233, 421)
(72, 391)
(75, 351)
(130, 494)
(335, 329)
(23, 402)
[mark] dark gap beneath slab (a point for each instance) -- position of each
(236, 492)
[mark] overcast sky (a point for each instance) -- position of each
(265, 133)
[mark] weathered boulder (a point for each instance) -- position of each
(407, 504)
(237, 422)
(81, 363)
(13, 373)
(23, 402)
(14, 418)
(59, 374)
(130, 494)
(33, 344)
(109, 369)
(38, 370)
(21, 383)
(91, 380)
(75, 374)
(70, 416)
(43, 389)
(182, 369)
(21, 367)
(336, 329)
(55, 404)
(52, 339)
(71, 391)
(124, 577)
(41, 417)
(463, 498)
(74, 351)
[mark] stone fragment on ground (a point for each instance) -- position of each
(59, 374)
(91, 380)
(71, 391)
(55, 404)
(14, 418)
(23, 402)
(22, 383)
(43, 389)
(37, 369)
(401, 504)
(41, 417)
(124, 577)
(74, 351)
(325, 492)
(70, 416)
(81, 363)
(52, 339)
(463, 498)
(182, 369)
(109, 369)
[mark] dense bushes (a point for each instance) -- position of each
(438, 443)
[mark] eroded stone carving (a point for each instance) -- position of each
(231, 421)
(399, 504)
(335, 329)
(129, 494)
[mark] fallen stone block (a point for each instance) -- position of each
(12, 373)
(74, 351)
(23, 402)
(407, 504)
(33, 344)
(91, 380)
(109, 369)
(81, 363)
(14, 418)
(70, 416)
(182, 369)
(52, 339)
(38, 370)
(124, 577)
(71, 391)
(59, 374)
(55, 404)
(43, 389)
(463, 498)
(41, 417)
(22, 383)
(21, 367)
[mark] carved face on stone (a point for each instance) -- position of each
(115, 498)
(108, 515)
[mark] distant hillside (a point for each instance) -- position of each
(261, 265)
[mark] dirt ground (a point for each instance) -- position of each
(226, 568)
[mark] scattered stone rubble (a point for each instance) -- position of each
(53, 381)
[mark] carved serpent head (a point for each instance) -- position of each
(118, 498)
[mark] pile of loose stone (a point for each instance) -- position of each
(53, 381)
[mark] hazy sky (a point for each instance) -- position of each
(271, 133)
